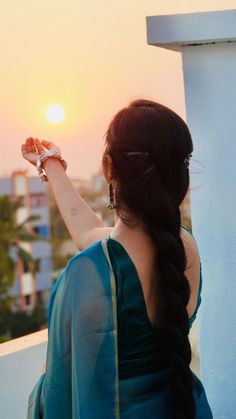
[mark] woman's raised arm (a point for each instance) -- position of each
(83, 224)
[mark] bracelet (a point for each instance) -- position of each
(43, 157)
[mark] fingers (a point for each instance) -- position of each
(30, 145)
(34, 145)
(50, 146)
(39, 146)
(47, 144)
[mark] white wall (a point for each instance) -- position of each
(21, 364)
(210, 88)
(208, 45)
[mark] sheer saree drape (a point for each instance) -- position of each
(81, 379)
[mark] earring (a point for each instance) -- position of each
(111, 205)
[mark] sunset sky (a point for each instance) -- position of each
(92, 58)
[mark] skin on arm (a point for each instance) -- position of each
(84, 226)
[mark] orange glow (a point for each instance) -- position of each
(92, 60)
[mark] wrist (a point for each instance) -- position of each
(47, 155)
(51, 163)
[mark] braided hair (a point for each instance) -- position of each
(148, 144)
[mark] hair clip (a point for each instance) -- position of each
(146, 175)
(135, 153)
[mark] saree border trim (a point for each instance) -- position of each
(114, 309)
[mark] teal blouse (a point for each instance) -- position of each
(84, 371)
(139, 343)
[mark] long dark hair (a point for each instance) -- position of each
(148, 144)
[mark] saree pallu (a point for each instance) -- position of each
(81, 379)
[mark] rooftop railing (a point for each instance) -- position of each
(22, 361)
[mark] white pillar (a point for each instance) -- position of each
(207, 42)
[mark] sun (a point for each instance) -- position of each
(55, 114)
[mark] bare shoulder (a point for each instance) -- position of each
(191, 248)
(94, 235)
(192, 271)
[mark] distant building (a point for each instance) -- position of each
(28, 286)
(95, 193)
(50, 256)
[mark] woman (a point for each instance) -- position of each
(120, 314)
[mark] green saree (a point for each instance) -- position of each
(85, 377)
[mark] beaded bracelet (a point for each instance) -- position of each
(43, 157)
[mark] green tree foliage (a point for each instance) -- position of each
(22, 323)
(11, 235)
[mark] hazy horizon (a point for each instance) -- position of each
(90, 57)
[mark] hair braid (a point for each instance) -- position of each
(175, 322)
(173, 290)
(148, 126)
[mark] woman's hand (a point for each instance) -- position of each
(32, 148)
(83, 224)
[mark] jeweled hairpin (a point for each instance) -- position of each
(186, 161)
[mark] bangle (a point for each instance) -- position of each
(43, 157)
